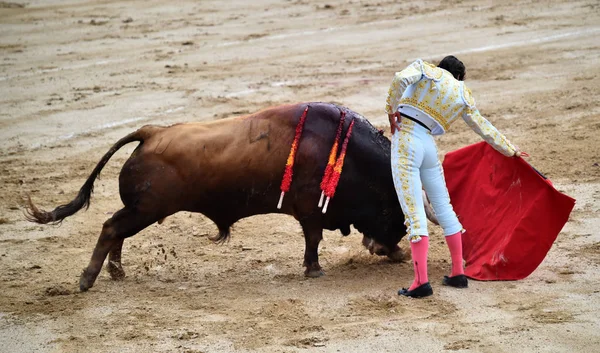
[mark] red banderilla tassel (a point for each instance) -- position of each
(331, 160)
(337, 170)
(289, 165)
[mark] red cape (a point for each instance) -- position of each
(511, 213)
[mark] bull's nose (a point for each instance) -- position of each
(367, 242)
(379, 249)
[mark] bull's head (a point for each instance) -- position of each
(389, 246)
(380, 219)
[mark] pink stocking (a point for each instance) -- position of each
(419, 257)
(454, 242)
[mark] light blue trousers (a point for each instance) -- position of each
(415, 166)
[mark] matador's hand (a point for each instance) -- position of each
(394, 121)
(519, 153)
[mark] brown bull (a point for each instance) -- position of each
(232, 168)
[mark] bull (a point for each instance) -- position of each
(232, 168)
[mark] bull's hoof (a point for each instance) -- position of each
(314, 273)
(85, 282)
(397, 255)
(115, 269)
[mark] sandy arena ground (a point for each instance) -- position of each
(77, 75)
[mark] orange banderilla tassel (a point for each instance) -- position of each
(331, 160)
(289, 165)
(337, 170)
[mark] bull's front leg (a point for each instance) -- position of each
(313, 233)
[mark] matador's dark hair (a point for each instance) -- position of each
(454, 66)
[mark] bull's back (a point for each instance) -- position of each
(219, 156)
(232, 168)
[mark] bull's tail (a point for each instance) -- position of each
(34, 214)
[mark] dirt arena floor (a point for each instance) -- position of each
(75, 76)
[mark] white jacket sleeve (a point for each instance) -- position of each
(488, 132)
(483, 127)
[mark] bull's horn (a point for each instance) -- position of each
(321, 199)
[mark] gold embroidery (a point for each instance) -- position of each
(445, 104)
(427, 109)
(488, 132)
(468, 96)
(456, 110)
(438, 102)
(404, 177)
(432, 72)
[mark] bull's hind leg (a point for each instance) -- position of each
(313, 234)
(114, 266)
(123, 224)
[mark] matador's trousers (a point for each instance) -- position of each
(415, 165)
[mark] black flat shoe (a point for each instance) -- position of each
(459, 281)
(424, 290)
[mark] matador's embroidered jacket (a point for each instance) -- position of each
(437, 94)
